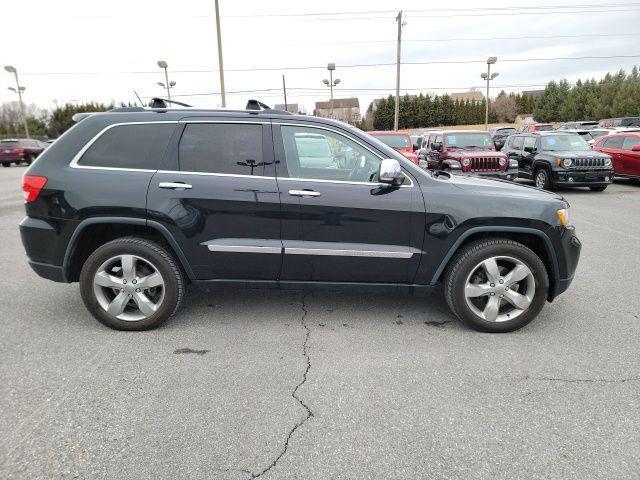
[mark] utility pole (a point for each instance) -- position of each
(19, 90)
(331, 83)
(220, 63)
(284, 89)
(397, 105)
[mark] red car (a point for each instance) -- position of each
(400, 141)
(20, 151)
(624, 149)
(537, 127)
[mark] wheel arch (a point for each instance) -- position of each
(535, 239)
(91, 233)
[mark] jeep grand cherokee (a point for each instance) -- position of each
(135, 203)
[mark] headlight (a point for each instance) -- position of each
(607, 162)
(564, 162)
(513, 162)
(502, 162)
(466, 162)
(563, 216)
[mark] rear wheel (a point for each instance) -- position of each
(131, 284)
(543, 179)
(598, 189)
(6, 164)
(28, 159)
(496, 285)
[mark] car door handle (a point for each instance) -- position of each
(174, 185)
(303, 193)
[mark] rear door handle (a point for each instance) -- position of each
(304, 193)
(174, 185)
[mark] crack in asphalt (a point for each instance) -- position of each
(585, 380)
(294, 393)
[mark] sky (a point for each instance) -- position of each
(77, 51)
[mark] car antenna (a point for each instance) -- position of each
(139, 99)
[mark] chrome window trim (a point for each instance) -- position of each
(78, 156)
(288, 124)
(209, 174)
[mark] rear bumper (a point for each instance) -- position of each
(50, 272)
(11, 159)
(39, 238)
(583, 178)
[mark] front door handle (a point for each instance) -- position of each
(174, 185)
(304, 193)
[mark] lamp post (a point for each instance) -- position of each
(18, 90)
(331, 83)
(166, 84)
(488, 77)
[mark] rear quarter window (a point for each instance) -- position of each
(133, 146)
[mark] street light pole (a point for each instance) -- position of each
(19, 90)
(331, 83)
(488, 76)
(396, 115)
(167, 85)
(220, 63)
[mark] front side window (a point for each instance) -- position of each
(630, 142)
(529, 143)
(132, 146)
(558, 143)
(468, 140)
(313, 153)
(517, 142)
(613, 142)
(230, 148)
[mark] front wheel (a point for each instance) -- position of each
(601, 188)
(496, 285)
(543, 179)
(131, 284)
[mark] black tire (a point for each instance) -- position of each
(466, 261)
(152, 252)
(542, 179)
(6, 164)
(601, 188)
(28, 159)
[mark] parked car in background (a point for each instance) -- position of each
(557, 158)
(399, 141)
(428, 138)
(499, 135)
(625, 122)
(585, 125)
(22, 150)
(586, 134)
(134, 204)
(624, 149)
(536, 127)
(468, 151)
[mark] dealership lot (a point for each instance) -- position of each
(325, 385)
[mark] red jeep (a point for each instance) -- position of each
(19, 151)
(469, 151)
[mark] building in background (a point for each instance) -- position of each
(344, 109)
(471, 95)
(291, 107)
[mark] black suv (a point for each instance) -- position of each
(136, 203)
(558, 158)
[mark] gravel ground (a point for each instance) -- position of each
(301, 385)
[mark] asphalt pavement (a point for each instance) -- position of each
(300, 385)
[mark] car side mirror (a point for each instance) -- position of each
(416, 147)
(635, 148)
(390, 172)
(437, 147)
(530, 149)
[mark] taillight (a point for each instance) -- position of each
(18, 151)
(31, 187)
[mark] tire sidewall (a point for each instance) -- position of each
(547, 184)
(525, 255)
(146, 250)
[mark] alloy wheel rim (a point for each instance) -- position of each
(129, 287)
(541, 179)
(500, 289)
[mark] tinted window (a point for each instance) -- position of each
(516, 143)
(9, 143)
(630, 142)
(529, 143)
(313, 153)
(613, 142)
(130, 146)
(232, 148)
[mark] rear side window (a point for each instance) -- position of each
(630, 142)
(613, 142)
(134, 146)
(231, 148)
(516, 143)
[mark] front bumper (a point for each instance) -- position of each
(511, 174)
(568, 257)
(583, 178)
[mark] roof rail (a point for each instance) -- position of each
(157, 102)
(256, 106)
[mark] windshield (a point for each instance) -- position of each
(394, 141)
(467, 140)
(558, 143)
(9, 143)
